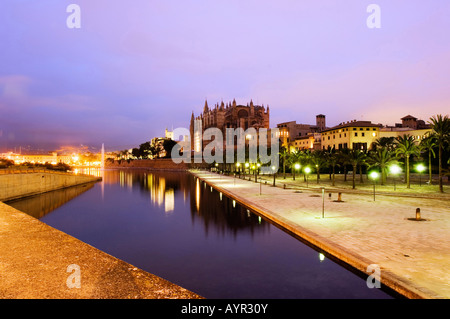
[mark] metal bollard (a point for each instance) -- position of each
(418, 214)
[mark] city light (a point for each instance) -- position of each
(374, 176)
(394, 170)
(420, 168)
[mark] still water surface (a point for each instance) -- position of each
(176, 227)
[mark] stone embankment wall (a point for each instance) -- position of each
(157, 164)
(18, 184)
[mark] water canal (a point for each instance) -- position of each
(176, 227)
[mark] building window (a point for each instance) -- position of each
(356, 134)
(362, 134)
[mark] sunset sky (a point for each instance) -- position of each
(137, 67)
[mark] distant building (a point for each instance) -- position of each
(351, 135)
(410, 126)
(48, 158)
(169, 134)
(413, 123)
(362, 134)
(289, 132)
(310, 142)
(230, 115)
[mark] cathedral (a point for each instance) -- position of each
(231, 115)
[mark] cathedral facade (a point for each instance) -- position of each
(229, 115)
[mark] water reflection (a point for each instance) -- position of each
(176, 227)
(40, 205)
(221, 212)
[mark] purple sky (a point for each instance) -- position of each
(137, 67)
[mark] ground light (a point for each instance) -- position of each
(395, 170)
(307, 170)
(374, 176)
(274, 174)
(420, 168)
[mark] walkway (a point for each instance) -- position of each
(34, 261)
(414, 256)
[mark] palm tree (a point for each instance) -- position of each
(355, 157)
(332, 159)
(441, 130)
(381, 157)
(283, 157)
(294, 158)
(318, 160)
(343, 156)
(428, 144)
(388, 142)
(406, 147)
(306, 159)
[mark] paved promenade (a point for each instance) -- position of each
(34, 260)
(414, 256)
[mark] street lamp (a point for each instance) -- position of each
(297, 166)
(395, 169)
(374, 176)
(420, 168)
(307, 170)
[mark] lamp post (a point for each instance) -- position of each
(394, 170)
(297, 166)
(323, 202)
(374, 176)
(420, 168)
(246, 166)
(307, 170)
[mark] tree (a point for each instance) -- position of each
(381, 157)
(355, 158)
(441, 130)
(168, 144)
(406, 147)
(318, 160)
(332, 158)
(146, 150)
(428, 144)
(343, 156)
(283, 158)
(388, 142)
(294, 158)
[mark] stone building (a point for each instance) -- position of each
(294, 135)
(229, 115)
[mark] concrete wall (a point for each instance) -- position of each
(157, 164)
(18, 184)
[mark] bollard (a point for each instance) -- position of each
(418, 214)
(284, 186)
(339, 197)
